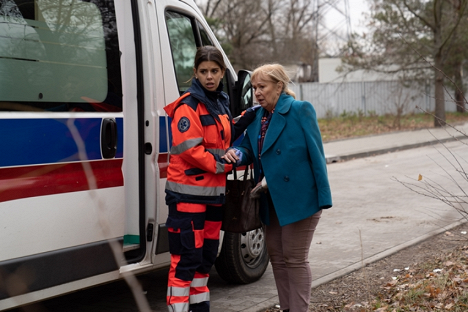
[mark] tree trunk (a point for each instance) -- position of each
(459, 89)
(459, 98)
(439, 113)
(439, 94)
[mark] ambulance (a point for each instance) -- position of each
(84, 142)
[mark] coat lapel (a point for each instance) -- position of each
(253, 130)
(278, 121)
(274, 129)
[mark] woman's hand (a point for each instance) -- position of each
(232, 156)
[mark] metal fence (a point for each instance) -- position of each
(370, 97)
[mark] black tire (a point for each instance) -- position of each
(243, 258)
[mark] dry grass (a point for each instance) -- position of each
(440, 284)
(354, 125)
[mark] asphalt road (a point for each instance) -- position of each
(373, 215)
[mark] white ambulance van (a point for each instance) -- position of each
(84, 142)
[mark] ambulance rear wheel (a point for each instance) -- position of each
(243, 258)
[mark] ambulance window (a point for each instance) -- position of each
(59, 55)
(204, 36)
(183, 47)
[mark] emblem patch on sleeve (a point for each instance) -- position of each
(184, 124)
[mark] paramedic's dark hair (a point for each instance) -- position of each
(207, 54)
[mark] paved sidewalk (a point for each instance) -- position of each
(379, 144)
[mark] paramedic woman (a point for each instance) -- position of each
(202, 130)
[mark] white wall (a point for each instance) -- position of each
(376, 97)
(328, 73)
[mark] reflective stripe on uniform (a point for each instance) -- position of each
(188, 144)
(178, 291)
(216, 151)
(195, 190)
(219, 152)
(199, 298)
(219, 167)
(179, 307)
(199, 282)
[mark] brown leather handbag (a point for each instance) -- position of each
(241, 212)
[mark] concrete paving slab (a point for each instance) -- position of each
(343, 150)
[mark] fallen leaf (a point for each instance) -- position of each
(419, 177)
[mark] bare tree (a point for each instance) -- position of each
(400, 100)
(297, 28)
(261, 31)
(412, 38)
(449, 185)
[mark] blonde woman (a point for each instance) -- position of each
(285, 145)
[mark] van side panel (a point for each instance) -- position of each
(68, 265)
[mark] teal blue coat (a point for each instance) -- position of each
(293, 161)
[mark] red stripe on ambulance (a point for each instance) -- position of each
(41, 180)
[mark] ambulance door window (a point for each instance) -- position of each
(183, 47)
(59, 56)
(204, 36)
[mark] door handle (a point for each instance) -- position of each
(108, 138)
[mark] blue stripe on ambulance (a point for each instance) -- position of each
(43, 141)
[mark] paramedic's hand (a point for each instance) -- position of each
(232, 155)
(250, 113)
(247, 116)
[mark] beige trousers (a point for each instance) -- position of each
(288, 247)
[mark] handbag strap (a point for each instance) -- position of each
(246, 171)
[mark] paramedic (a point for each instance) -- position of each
(196, 177)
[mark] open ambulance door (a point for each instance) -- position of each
(135, 167)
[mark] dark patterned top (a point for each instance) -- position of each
(265, 122)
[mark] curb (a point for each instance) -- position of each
(384, 254)
(335, 158)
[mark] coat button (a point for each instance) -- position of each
(286, 179)
(278, 151)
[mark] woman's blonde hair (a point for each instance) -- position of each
(276, 73)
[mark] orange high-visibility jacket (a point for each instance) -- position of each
(196, 172)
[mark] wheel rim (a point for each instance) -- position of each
(252, 247)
